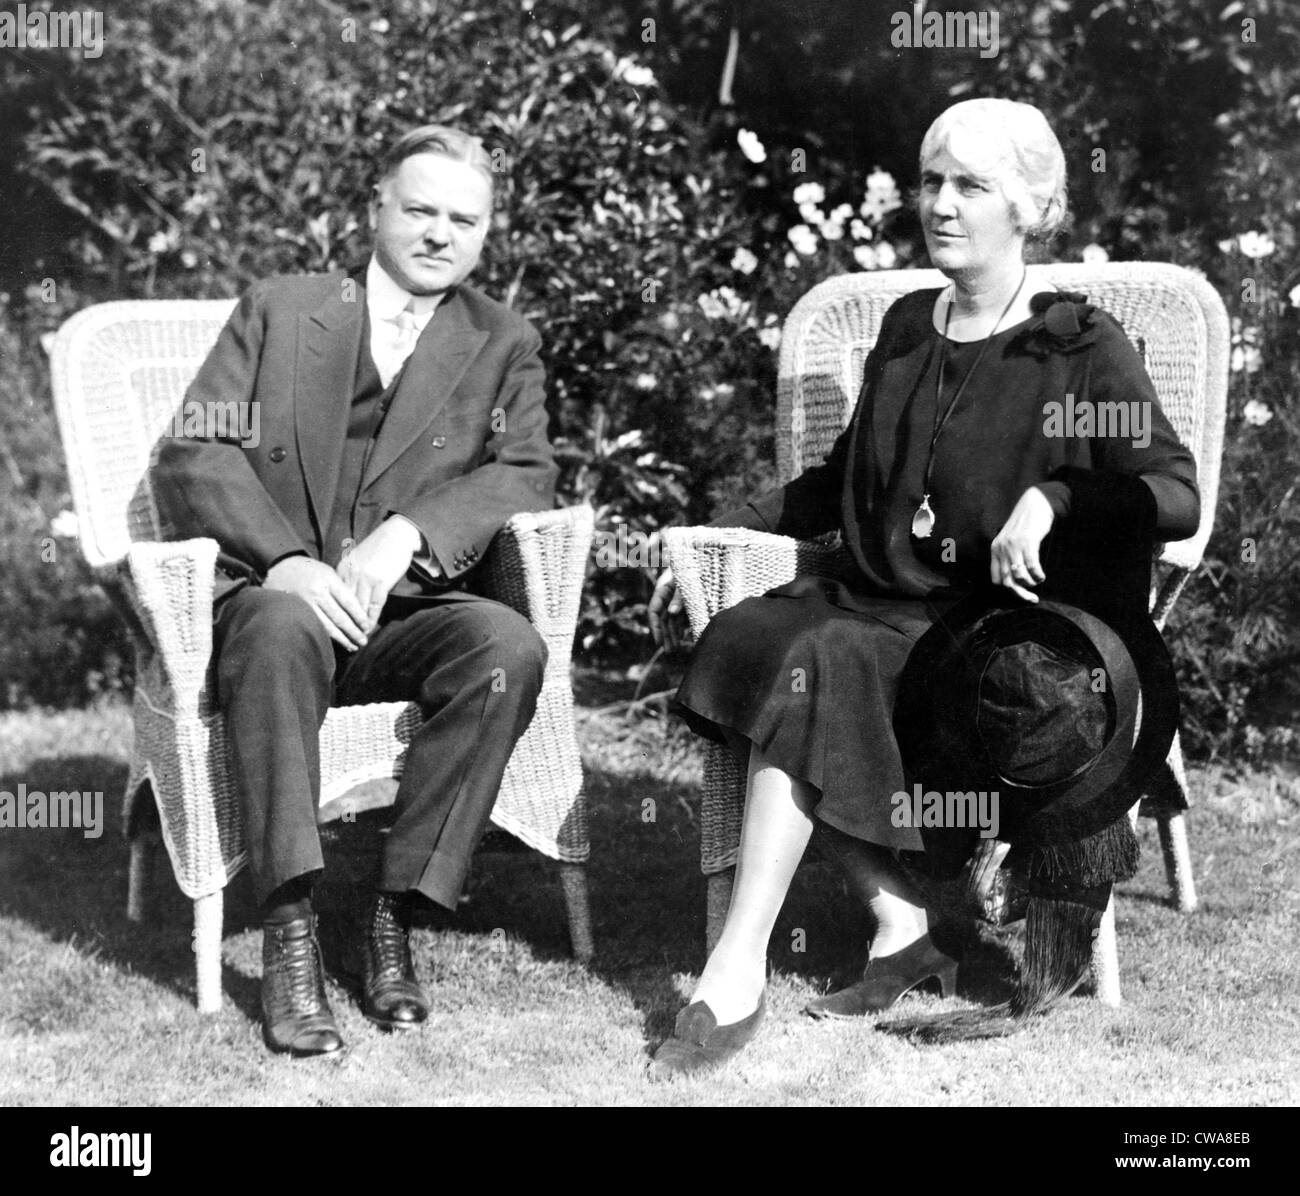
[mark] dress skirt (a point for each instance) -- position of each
(808, 673)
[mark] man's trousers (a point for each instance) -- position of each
(475, 668)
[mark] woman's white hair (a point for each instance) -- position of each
(1014, 144)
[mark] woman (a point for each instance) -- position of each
(949, 476)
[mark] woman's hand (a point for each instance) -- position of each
(665, 612)
(1014, 562)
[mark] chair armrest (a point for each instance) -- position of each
(169, 586)
(716, 567)
(536, 564)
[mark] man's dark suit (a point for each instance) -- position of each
(461, 447)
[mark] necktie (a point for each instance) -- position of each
(404, 337)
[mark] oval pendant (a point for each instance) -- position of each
(923, 520)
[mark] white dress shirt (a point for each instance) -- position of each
(396, 320)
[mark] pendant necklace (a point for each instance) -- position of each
(923, 520)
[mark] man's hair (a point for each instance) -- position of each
(437, 139)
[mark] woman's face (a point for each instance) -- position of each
(968, 223)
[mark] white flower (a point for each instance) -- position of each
(1245, 357)
(881, 182)
(380, 25)
(886, 258)
(811, 213)
(842, 213)
(770, 337)
(722, 304)
(1256, 413)
(1094, 253)
(1255, 245)
(736, 306)
(712, 309)
(1227, 246)
(646, 382)
(803, 239)
(65, 525)
(865, 256)
(1294, 295)
(744, 261)
(160, 242)
(633, 75)
(189, 259)
(813, 193)
(791, 260)
(860, 230)
(750, 146)
(882, 195)
(832, 230)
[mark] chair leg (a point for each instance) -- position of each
(143, 848)
(1105, 958)
(718, 903)
(207, 950)
(1178, 860)
(1173, 838)
(573, 879)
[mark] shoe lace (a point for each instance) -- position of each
(388, 941)
(298, 977)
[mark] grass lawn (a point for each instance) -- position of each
(97, 1011)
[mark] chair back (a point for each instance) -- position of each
(1173, 316)
(119, 373)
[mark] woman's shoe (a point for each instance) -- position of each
(888, 977)
(699, 1044)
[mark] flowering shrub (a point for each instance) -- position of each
(658, 253)
(1235, 632)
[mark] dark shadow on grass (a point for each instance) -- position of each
(74, 888)
(648, 901)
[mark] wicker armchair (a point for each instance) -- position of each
(119, 372)
(1178, 324)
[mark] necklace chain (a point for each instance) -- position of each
(923, 520)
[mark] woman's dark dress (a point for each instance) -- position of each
(809, 671)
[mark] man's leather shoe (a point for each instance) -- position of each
(392, 997)
(699, 1044)
(296, 1017)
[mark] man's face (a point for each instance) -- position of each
(429, 219)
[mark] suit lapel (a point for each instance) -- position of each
(329, 340)
(447, 346)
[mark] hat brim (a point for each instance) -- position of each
(939, 755)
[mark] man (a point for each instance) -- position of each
(401, 424)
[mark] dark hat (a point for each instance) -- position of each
(1064, 716)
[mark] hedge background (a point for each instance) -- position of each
(657, 236)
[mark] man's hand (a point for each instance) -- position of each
(378, 563)
(325, 592)
(1014, 562)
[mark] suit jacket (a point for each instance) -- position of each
(462, 448)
